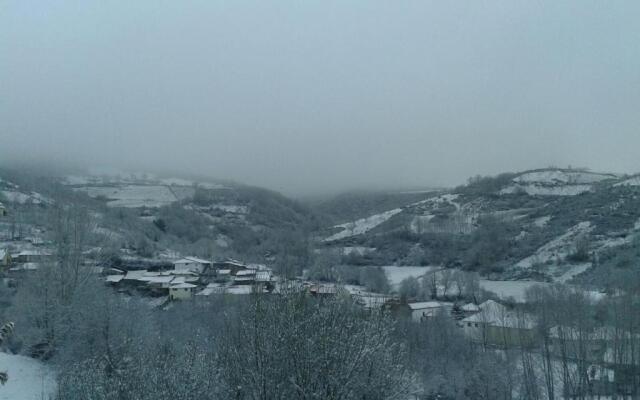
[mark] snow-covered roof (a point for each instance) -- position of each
(259, 267)
(239, 290)
(470, 307)
(34, 253)
(159, 279)
(231, 261)
(191, 260)
(114, 278)
(183, 286)
(245, 272)
(25, 267)
(425, 304)
(137, 275)
(182, 273)
(224, 271)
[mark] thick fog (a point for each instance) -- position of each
(313, 96)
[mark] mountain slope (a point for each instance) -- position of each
(540, 223)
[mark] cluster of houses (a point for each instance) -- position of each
(192, 276)
(24, 260)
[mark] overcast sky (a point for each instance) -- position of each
(312, 96)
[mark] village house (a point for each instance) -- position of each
(5, 258)
(233, 266)
(497, 325)
(32, 256)
(191, 264)
(181, 291)
(245, 277)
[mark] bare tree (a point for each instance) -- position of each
(296, 347)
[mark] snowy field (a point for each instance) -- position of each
(132, 196)
(557, 176)
(29, 379)
(506, 289)
(398, 274)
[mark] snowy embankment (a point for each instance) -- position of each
(558, 248)
(633, 181)
(555, 182)
(29, 379)
(362, 225)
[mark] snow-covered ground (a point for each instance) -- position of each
(398, 274)
(462, 220)
(29, 379)
(633, 181)
(572, 271)
(558, 176)
(230, 208)
(555, 182)
(542, 190)
(507, 289)
(358, 250)
(24, 198)
(362, 225)
(132, 195)
(542, 221)
(558, 248)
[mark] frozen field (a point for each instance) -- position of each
(398, 274)
(132, 195)
(506, 289)
(29, 379)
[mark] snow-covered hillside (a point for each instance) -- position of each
(558, 248)
(460, 219)
(132, 195)
(133, 190)
(29, 379)
(362, 225)
(555, 182)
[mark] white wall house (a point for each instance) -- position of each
(191, 264)
(181, 291)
